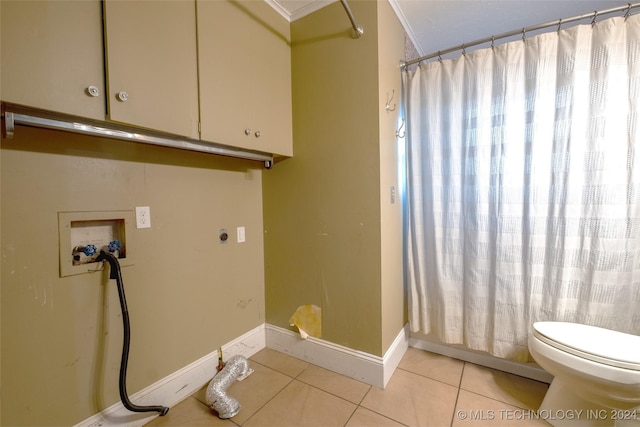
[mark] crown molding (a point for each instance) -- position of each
(293, 10)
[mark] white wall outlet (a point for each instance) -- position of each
(241, 237)
(143, 217)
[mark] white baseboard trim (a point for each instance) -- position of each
(365, 367)
(178, 386)
(531, 371)
(394, 354)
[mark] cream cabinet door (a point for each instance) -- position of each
(152, 75)
(52, 54)
(244, 59)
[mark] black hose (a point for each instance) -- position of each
(116, 274)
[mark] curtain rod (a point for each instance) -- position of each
(523, 31)
(357, 29)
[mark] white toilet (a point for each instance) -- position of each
(596, 374)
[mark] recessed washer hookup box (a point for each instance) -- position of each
(93, 230)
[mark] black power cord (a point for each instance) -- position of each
(117, 275)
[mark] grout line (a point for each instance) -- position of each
(365, 395)
(430, 378)
(520, 405)
(301, 372)
(382, 415)
(269, 400)
(325, 391)
(291, 379)
(356, 405)
(332, 393)
(455, 405)
(351, 416)
(462, 375)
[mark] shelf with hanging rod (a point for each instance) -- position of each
(13, 114)
(558, 22)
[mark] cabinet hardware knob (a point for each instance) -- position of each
(258, 134)
(93, 91)
(122, 96)
(247, 131)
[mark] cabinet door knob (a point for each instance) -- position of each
(247, 131)
(258, 134)
(93, 91)
(122, 96)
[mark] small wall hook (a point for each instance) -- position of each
(388, 106)
(400, 129)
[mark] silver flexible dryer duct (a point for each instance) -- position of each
(217, 397)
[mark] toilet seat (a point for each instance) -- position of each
(590, 342)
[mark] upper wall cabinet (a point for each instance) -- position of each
(52, 56)
(152, 76)
(245, 75)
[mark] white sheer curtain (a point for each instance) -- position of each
(523, 187)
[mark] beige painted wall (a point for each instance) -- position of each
(187, 294)
(324, 230)
(391, 42)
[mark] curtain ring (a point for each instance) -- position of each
(524, 35)
(628, 12)
(464, 51)
(559, 24)
(439, 57)
(493, 42)
(595, 15)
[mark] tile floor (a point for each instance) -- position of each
(426, 390)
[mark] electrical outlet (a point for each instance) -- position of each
(143, 217)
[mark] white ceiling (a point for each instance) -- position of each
(434, 25)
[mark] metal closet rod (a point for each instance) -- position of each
(523, 31)
(13, 114)
(357, 29)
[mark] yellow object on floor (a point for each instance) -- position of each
(308, 320)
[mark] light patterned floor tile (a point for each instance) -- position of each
(512, 389)
(475, 410)
(366, 418)
(431, 365)
(253, 392)
(339, 385)
(280, 362)
(300, 404)
(285, 391)
(413, 400)
(189, 413)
